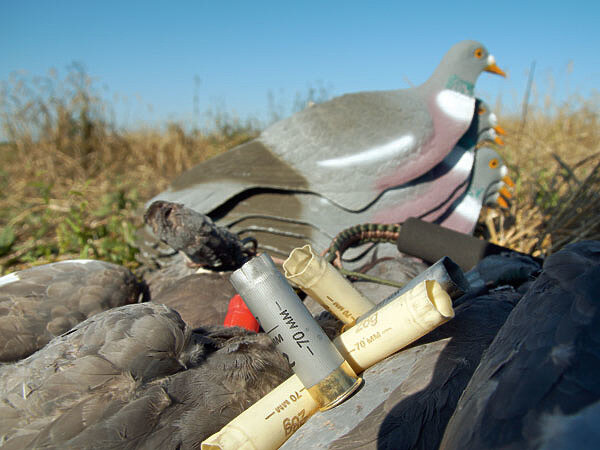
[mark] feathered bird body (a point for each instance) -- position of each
(42, 302)
(132, 377)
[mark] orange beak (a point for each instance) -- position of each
(505, 192)
(498, 141)
(499, 130)
(502, 202)
(493, 68)
(508, 181)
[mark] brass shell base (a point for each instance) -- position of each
(336, 387)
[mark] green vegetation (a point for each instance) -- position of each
(74, 185)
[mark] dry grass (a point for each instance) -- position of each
(555, 160)
(73, 185)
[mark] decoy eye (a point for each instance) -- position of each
(493, 163)
(481, 110)
(478, 53)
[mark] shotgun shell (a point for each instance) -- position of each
(319, 279)
(400, 322)
(445, 271)
(295, 333)
(268, 423)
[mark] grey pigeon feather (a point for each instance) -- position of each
(541, 369)
(42, 302)
(135, 377)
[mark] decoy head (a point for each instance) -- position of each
(463, 63)
(487, 125)
(490, 180)
(483, 129)
(493, 121)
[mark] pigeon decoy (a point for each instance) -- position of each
(42, 302)
(537, 381)
(352, 148)
(135, 377)
(281, 220)
(487, 181)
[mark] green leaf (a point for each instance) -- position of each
(7, 239)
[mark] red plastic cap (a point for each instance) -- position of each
(238, 315)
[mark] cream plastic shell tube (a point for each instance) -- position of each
(426, 306)
(444, 271)
(400, 322)
(319, 279)
(269, 422)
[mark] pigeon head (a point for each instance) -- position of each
(488, 129)
(490, 175)
(482, 129)
(486, 187)
(462, 65)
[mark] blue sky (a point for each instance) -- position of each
(150, 52)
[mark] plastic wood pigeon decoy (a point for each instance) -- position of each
(135, 377)
(281, 220)
(486, 186)
(352, 148)
(42, 302)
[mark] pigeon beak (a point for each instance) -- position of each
(500, 130)
(492, 67)
(509, 182)
(505, 193)
(498, 141)
(502, 202)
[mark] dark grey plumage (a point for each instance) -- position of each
(135, 377)
(201, 299)
(510, 268)
(42, 302)
(575, 431)
(168, 276)
(542, 368)
(195, 234)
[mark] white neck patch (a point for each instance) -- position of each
(457, 106)
(469, 208)
(465, 163)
